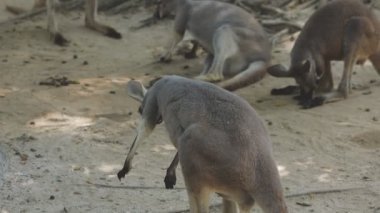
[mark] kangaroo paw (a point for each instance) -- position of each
(112, 33)
(170, 181)
(60, 40)
(123, 171)
(210, 77)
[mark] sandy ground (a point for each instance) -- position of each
(64, 145)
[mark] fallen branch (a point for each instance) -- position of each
(123, 7)
(276, 37)
(274, 10)
(276, 22)
(24, 16)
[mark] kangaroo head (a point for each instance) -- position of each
(137, 91)
(305, 74)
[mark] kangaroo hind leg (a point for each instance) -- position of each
(90, 21)
(224, 47)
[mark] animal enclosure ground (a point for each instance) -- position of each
(65, 143)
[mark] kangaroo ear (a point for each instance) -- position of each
(136, 90)
(280, 71)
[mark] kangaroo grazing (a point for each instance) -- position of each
(90, 22)
(237, 46)
(344, 30)
(222, 144)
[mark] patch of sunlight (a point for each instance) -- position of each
(57, 119)
(4, 211)
(86, 171)
(5, 92)
(309, 161)
(166, 147)
(111, 176)
(107, 168)
(283, 171)
(77, 168)
(102, 85)
(324, 178)
(27, 183)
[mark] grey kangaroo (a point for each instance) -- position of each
(343, 30)
(222, 144)
(90, 22)
(237, 46)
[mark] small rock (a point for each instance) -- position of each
(366, 178)
(367, 110)
(51, 197)
(85, 63)
(367, 93)
(375, 119)
(24, 157)
(63, 62)
(303, 204)
(112, 92)
(75, 56)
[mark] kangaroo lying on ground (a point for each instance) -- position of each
(237, 45)
(90, 22)
(341, 30)
(222, 144)
(167, 8)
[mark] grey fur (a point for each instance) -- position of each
(232, 37)
(223, 146)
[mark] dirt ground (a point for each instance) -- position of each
(62, 146)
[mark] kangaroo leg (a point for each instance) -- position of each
(207, 63)
(90, 22)
(255, 72)
(55, 35)
(246, 206)
(193, 52)
(229, 206)
(326, 83)
(354, 42)
(170, 178)
(179, 31)
(375, 60)
(143, 131)
(199, 200)
(224, 46)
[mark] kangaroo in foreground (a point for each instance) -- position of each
(344, 30)
(237, 46)
(90, 22)
(222, 144)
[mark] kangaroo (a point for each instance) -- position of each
(237, 45)
(167, 8)
(343, 30)
(90, 22)
(222, 144)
